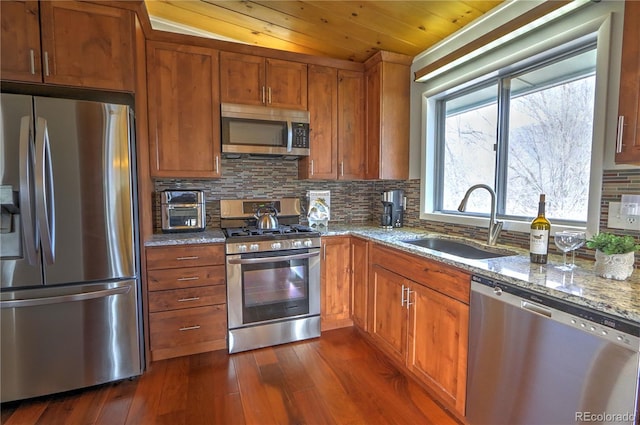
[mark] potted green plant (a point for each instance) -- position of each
(614, 255)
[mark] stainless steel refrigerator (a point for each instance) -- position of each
(70, 309)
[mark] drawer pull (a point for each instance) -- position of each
(193, 257)
(181, 300)
(182, 279)
(190, 328)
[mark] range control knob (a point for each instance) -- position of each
(297, 244)
(254, 247)
(276, 245)
(308, 243)
(242, 248)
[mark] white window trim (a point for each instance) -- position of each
(602, 25)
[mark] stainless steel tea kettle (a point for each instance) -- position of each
(266, 218)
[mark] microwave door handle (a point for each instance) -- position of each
(26, 183)
(45, 203)
(289, 136)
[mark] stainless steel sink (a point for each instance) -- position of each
(460, 248)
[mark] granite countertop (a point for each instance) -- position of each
(580, 286)
(167, 239)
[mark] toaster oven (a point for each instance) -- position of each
(183, 211)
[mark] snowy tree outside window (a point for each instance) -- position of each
(527, 132)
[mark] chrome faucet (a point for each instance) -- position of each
(495, 226)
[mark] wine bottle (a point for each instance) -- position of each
(539, 239)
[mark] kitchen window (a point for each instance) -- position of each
(524, 132)
(510, 115)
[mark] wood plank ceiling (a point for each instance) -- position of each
(350, 30)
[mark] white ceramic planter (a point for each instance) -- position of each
(615, 266)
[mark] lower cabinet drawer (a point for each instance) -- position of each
(186, 298)
(174, 328)
(186, 277)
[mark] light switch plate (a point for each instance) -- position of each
(617, 221)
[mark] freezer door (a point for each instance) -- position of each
(61, 338)
(92, 234)
(19, 243)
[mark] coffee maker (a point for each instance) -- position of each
(393, 202)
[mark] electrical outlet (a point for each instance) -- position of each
(617, 221)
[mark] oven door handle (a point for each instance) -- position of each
(272, 259)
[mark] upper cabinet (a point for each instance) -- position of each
(322, 162)
(336, 109)
(83, 44)
(20, 39)
(628, 142)
(388, 78)
(254, 80)
(359, 124)
(351, 121)
(184, 111)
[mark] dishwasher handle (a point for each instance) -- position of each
(527, 305)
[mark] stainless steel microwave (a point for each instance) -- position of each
(256, 131)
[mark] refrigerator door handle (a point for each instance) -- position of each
(45, 205)
(30, 231)
(65, 298)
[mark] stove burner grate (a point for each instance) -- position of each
(254, 231)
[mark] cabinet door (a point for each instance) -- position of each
(20, 41)
(351, 141)
(322, 162)
(359, 281)
(87, 45)
(286, 84)
(242, 79)
(388, 315)
(335, 278)
(438, 340)
(387, 128)
(628, 148)
(184, 111)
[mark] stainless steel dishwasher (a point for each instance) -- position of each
(537, 360)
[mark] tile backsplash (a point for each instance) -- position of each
(358, 201)
(351, 201)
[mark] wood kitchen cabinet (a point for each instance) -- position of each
(184, 111)
(419, 316)
(628, 143)
(351, 122)
(254, 80)
(67, 43)
(322, 162)
(337, 141)
(359, 281)
(187, 299)
(335, 283)
(388, 77)
(389, 315)
(20, 41)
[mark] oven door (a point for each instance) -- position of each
(272, 286)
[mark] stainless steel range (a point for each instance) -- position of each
(273, 274)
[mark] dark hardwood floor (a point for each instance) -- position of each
(336, 379)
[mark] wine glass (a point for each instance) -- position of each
(579, 240)
(564, 240)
